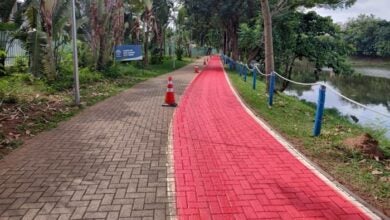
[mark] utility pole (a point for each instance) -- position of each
(75, 58)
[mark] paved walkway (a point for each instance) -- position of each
(229, 167)
(109, 162)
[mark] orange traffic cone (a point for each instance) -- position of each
(170, 95)
(196, 69)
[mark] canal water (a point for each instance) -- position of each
(371, 87)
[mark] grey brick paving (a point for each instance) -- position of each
(109, 162)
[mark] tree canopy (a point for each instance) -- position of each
(369, 36)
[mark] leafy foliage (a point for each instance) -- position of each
(35, 45)
(179, 53)
(370, 36)
(3, 55)
(8, 26)
(5, 9)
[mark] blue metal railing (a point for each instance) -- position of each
(243, 70)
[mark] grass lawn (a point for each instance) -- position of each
(294, 120)
(29, 105)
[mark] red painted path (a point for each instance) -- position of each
(228, 167)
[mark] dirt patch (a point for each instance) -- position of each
(20, 121)
(364, 144)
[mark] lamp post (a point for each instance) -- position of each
(75, 58)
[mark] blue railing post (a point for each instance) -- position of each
(320, 111)
(230, 65)
(245, 74)
(254, 79)
(271, 89)
(240, 70)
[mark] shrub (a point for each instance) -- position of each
(179, 53)
(8, 26)
(156, 56)
(25, 78)
(3, 55)
(7, 95)
(88, 76)
(20, 65)
(113, 71)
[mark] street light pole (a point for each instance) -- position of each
(75, 58)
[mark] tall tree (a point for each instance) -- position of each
(282, 6)
(268, 41)
(369, 35)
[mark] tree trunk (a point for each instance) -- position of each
(252, 54)
(268, 42)
(224, 43)
(163, 43)
(102, 46)
(146, 45)
(234, 42)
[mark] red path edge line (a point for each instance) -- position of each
(227, 166)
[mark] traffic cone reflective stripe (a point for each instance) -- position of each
(170, 95)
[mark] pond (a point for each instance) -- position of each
(371, 87)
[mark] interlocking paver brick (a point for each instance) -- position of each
(228, 166)
(99, 163)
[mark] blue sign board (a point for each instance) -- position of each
(128, 52)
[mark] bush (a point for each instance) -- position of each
(156, 56)
(25, 78)
(3, 55)
(179, 53)
(8, 26)
(85, 55)
(88, 76)
(65, 79)
(113, 72)
(7, 94)
(20, 65)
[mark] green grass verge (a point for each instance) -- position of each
(294, 120)
(24, 93)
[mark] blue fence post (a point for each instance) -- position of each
(254, 78)
(240, 70)
(320, 111)
(245, 74)
(271, 89)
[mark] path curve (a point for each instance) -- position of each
(229, 167)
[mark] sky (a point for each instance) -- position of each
(379, 8)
